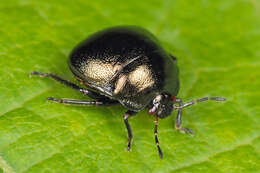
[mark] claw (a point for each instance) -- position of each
(54, 100)
(128, 148)
(186, 131)
(38, 73)
(129, 144)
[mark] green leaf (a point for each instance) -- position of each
(218, 49)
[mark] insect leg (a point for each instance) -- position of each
(156, 138)
(66, 83)
(83, 102)
(178, 119)
(129, 130)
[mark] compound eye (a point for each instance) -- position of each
(173, 99)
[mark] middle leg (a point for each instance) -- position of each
(83, 102)
(67, 83)
(129, 130)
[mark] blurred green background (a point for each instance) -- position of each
(218, 48)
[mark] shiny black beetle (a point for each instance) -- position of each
(127, 65)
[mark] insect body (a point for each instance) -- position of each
(127, 65)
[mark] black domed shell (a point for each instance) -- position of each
(127, 64)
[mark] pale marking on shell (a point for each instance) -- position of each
(120, 84)
(98, 71)
(141, 78)
(117, 67)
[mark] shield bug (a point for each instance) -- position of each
(126, 65)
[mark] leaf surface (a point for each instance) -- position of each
(218, 49)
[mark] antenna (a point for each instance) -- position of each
(203, 99)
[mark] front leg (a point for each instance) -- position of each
(129, 130)
(156, 137)
(178, 120)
